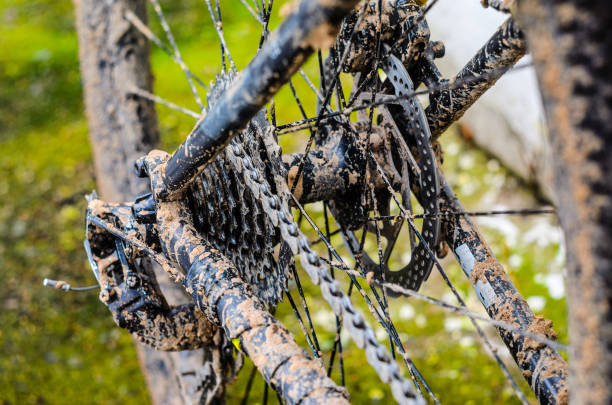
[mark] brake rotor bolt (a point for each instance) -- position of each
(131, 281)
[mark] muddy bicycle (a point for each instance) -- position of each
(218, 219)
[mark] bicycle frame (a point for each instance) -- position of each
(542, 366)
(313, 25)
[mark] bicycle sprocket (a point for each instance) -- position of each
(231, 216)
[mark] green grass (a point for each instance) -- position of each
(64, 348)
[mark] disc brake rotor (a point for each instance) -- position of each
(411, 122)
(413, 161)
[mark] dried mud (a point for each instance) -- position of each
(571, 48)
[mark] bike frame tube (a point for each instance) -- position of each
(506, 47)
(312, 26)
(226, 300)
(543, 367)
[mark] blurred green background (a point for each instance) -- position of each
(62, 348)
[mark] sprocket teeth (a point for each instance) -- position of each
(232, 209)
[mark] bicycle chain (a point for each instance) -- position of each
(277, 210)
(248, 180)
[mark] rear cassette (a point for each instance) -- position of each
(229, 214)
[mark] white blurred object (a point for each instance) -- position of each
(508, 120)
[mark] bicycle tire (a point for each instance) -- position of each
(575, 81)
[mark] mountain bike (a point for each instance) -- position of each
(218, 216)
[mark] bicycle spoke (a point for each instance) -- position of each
(149, 96)
(450, 214)
(144, 30)
(438, 266)
(319, 240)
(314, 350)
(311, 85)
(381, 263)
(299, 104)
(452, 308)
(266, 19)
(177, 53)
(279, 399)
(247, 391)
(259, 10)
(218, 23)
(306, 310)
(264, 24)
(295, 126)
(321, 70)
(250, 9)
(337, 342)
(265, 393)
